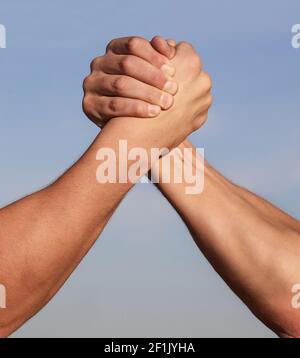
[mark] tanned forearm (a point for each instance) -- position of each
(44, 236)
(254, 246)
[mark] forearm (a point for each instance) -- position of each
(44, 236)
(269, 210)
(254, 246)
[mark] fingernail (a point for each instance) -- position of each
(171, 87)
(166, 100)
(153, 110)
(168, 70)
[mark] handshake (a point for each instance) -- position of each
(157, 81)
(153, 95)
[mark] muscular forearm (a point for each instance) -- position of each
(269, 210)
(44, 236)
(254, 246)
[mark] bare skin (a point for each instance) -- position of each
(44, 236)
(254, 246)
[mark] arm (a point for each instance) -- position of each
(44, 236)
(254, 246)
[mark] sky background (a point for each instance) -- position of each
(145, 277)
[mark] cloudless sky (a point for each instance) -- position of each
(145, 276)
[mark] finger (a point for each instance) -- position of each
(171, 42)
(110, 107)
(162, 46)
(206, 81)
(139, 69)
(127, 87)
(139, 47)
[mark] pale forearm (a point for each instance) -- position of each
(253, 246)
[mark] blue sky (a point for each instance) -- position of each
(146, 277)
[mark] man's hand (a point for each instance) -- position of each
(132, 79)
(193, 99)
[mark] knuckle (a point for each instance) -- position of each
(120, 85)
(96, 63)
(87, 83)
(88, 105)
(126, 64)
(204, 118)
(109, 45)
(185, 44)
(114, 105)
(156, 38)
(195, 62)
(134, 43)
(207, 81)
(210, 100)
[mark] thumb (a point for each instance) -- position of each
(164, 47)
(171, 42)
